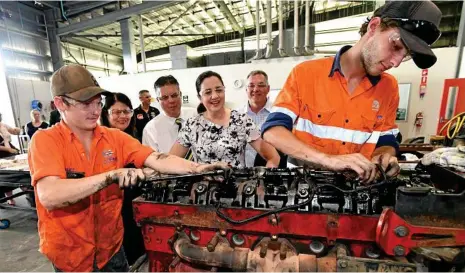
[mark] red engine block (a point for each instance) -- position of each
(190, 235)
(171, 231)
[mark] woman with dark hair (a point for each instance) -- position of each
(117, 112)
(219, 133)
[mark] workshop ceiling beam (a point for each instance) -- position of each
(221, 5)
(150, 29)
(217, 24)
(85, 7)
(112, 17)
(249, 10)
(179, 17)
(93, 45)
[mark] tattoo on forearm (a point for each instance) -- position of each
(109, 179)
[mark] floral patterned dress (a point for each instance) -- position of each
(211, 142)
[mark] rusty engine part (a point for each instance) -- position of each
(291, 220)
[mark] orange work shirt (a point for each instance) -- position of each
(316, 104)
(73, 236)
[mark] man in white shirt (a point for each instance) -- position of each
(258, 106)
(162, 131)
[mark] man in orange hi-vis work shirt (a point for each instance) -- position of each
(77, 170)
(342, 109)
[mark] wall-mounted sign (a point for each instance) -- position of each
(185, 99)
(423, 82)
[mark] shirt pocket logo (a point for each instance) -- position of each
(108, 157)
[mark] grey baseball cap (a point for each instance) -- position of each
(418, 25)
(76, 82)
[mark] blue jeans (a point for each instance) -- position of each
(117, 263)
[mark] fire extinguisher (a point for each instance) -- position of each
(419, 119)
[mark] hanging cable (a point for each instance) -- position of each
(63, 13)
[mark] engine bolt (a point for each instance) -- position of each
(342, 263)
(372, 252)
(212, 244)
(274, 237)
(317, 247)
(173, 238)
(303, 193)
(273, 220)
(175, 262)
(195, 235)
(223, 232)
(238, 239)
(399, 250)
(401, 231)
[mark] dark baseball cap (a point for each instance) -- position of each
(76, 82)
(418, 25)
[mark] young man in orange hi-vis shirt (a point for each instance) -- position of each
(342, 109)
(77, 169)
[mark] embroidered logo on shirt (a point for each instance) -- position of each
(108, 156)
(375, 105)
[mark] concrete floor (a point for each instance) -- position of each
(19, 243)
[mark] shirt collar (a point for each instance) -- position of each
(267, 106)
(171, 119)
(98, 132)
(337, 66)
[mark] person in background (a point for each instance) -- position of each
(258, 107)
(117, 112)
(77, 171)
(162, 131)
(220, 134)
(340, 112)
(54, 117)
(35, 124)
(144, 113)
(6, 147)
